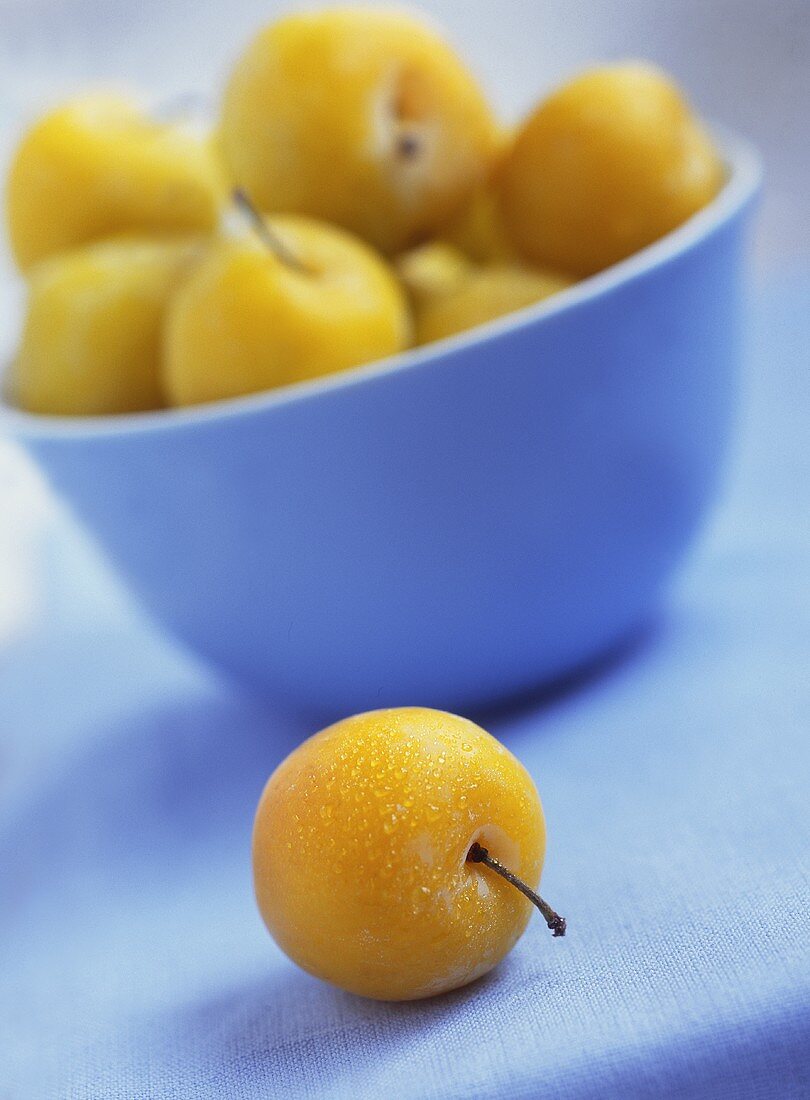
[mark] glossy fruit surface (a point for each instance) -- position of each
(91, 342)
(248, 320)
(483, 295)
(360, 846)
(432, 270)
(477, 228)
(607, 164)
(98, 167)
(362, 117)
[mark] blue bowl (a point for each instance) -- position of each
(448, 527)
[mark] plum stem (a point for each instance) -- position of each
(479, 854)
(266, 235)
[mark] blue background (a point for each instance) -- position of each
(675, 780)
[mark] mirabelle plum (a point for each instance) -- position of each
(477, 228)
(363, 847)
(607, 164)
(359, 116)
(97, 167)
(294, 301)
(431, 270)
(482, 295)
(91, 342)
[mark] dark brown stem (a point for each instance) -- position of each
(271, 240)
(479, 854)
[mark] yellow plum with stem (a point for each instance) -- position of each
(396, 854)
(285, 299)
(362, 117)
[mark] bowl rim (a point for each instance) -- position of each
(744, 169)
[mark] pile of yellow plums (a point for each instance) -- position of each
(357, 196)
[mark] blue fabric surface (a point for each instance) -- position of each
(675, 780)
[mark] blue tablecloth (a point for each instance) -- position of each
(132, 960)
